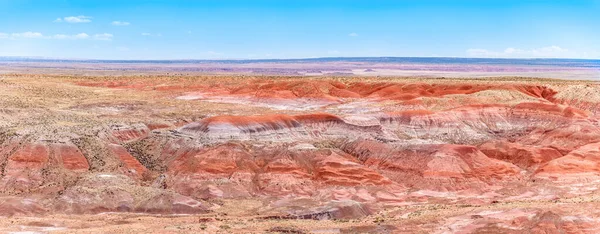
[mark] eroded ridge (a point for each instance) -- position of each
(390, 154)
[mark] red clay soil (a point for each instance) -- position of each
(445, 157)
(327, 90)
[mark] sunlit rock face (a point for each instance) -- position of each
(307, 149)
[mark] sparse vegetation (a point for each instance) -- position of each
(358, 160)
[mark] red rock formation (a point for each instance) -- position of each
(524, 156)
(221, 160)
(263, 172)
(419, 143)
(341, 169)
(579, 164)
(194, 174)
(529, 109)
(252, 124)
(550, 222)
(331, 91)
(471, 163)
(434, 166)
(130, 133)
(23, 168)
(31, 166)
(564, 137)
(70, 156)
(280, 128)
(537, 91)
(248, 124)
(31, 156)
(131, 166)
(286, 174)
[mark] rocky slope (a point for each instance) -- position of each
(317, 149)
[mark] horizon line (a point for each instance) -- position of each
(42, 58)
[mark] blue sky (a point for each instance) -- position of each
(256, 29)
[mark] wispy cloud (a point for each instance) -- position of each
(74, 19)
(27, 35)
(23, 35)
(353, 34)
(544, 52)
(151, 35)
(103, 37)
(38, 35)
(120, 23)
(71, 37)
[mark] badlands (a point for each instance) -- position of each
(277, 154)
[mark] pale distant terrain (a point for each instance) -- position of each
(386, 66)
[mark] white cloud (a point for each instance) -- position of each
(37, 35)
(103, 37)
(146, 34)
(120, 23)
(82, 36)
(27, 35)
(544, 52)
(61, 36)
(353, 34)
(74, 19)
(71, 37)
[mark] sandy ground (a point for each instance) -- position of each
(430, 218)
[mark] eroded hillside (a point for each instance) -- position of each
(279, 154)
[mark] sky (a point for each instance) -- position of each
(269, 29)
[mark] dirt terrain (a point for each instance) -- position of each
(255, 154)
